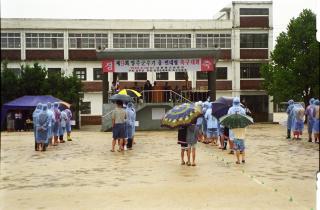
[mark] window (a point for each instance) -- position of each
(250, 70)
(54, 71)
(86, 107)
(253, 40)
(97, 74)
(254, 11)
(162, 76)
(131, 40)
(213, 40)
(202, 75)
(44, 40)
(180, 75)
(140, 76)
(172, 40)
(10, 40)
(88, 41)
(122, 76)
(221, 73)
(81, 73)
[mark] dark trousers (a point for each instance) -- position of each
(129, 144)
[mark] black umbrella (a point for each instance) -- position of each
(119, 97)
(221, 106)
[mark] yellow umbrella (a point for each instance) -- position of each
(130, 92)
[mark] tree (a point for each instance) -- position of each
(32, 81)
(9, 84)
(293, 72)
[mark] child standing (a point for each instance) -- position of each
(182, 140)
(192, 141)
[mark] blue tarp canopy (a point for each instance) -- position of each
(27, 103)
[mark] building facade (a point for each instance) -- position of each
(243, 32)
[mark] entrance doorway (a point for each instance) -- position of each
(258, 105)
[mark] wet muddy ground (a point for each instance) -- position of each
(84, 174)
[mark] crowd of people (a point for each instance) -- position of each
(123, 126)
(295, 121)
(208, 130)
(50, 125)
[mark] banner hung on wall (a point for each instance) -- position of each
(159, 65)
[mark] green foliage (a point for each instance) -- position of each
(9, 84)
(293, 72)
(34, 81)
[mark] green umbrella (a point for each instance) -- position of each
(236, 120)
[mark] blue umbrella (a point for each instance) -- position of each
(181, 115)
(221, 106)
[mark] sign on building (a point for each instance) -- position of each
(159, 65)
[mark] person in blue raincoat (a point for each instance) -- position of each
(297, 121)
(68, 123)
(290, 117)
(131, 118)
(51, 123)
(56, 125)
(42, 126)
(212, 126)
(34, 119)
(237, 135)
(63, 125)
(309, 116)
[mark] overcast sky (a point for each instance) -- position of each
(283, 10)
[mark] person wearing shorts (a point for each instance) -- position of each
(118, 126)
(182, 140)
(192, 142)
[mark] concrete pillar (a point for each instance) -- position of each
(66, 45)
(212, 85)
(23, 46)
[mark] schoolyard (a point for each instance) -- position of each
(84, 174)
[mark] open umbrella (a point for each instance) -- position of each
(236, 120)
(180, 115)
(221, 106)
(119, 97)
(129, 92)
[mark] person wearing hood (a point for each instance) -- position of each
(199, 123)
(131, 118)
(297, 121)
(51, 123)
(316, 123)
(68, 123)
(237, 135)
(34, 119)
(42, 126)
(63, 125)
(212, 126)
(309, 116)
(290, 117)
(56, 125)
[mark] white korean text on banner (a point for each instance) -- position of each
(159, 65)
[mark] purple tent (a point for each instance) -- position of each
(28, 103)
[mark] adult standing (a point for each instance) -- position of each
(212, 126)
(42, 128)
(10, 122)
(34, 119)
(309, 116)
(290, 117)
(147, 93)
(238, 134)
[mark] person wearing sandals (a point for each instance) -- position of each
(192, 141)
(42, 125)
(182, 140)
(212, 126)
(119, 117)
(238, 134)
(316, 124)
